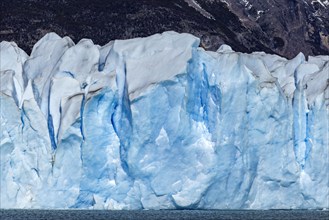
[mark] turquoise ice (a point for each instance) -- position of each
(160, 123)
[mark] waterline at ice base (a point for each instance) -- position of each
(160, 123)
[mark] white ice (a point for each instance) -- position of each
(160, 123)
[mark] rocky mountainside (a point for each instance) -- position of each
(287, 26)
(284, 27)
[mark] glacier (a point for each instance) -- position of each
(161, 123)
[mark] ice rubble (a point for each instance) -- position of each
(159, 123)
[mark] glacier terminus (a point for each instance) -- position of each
(161, 123)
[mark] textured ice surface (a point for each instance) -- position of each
(157, 123)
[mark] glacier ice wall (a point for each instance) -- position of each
(160, 123)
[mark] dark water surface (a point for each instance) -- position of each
(162, 214)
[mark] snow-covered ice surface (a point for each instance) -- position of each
(159, 123)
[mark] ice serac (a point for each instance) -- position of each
(160, 123)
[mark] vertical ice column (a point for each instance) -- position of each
(302, 120)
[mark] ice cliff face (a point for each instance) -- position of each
(160, 123)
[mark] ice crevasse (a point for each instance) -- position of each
(160, 123)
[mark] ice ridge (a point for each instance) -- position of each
(160, 123)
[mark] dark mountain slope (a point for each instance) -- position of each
(214, 21)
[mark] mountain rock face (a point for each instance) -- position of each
(284, 27)
(287, 26)
(161, 123)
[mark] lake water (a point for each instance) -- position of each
(162, 214)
